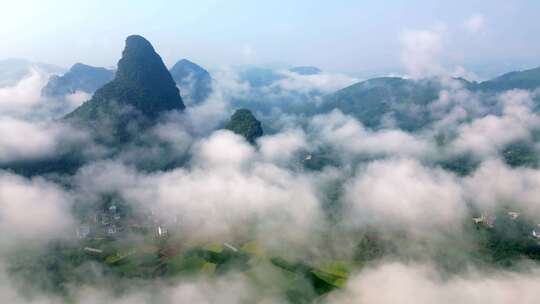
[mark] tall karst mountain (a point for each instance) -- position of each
(141, 91)
(194, 81)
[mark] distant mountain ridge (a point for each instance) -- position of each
(259, 76)
(371, 100)
(195, 82)
(80, 77)
(405, 102)
(306, 70)
(526, 80)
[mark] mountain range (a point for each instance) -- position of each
(194, 81)
(526, 80)
(132, 99)
(406, 101)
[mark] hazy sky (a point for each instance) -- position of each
(340, 35)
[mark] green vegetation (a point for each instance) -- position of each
(318, 161)
(66, 163)
(63, 265)
(245, 124)
(462, 165)
(372, 100)
(310, 285)
(145, 258)
(520, 154)
(406, 101)
(526, 80)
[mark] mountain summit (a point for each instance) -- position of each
(244, 123)
(195, 82)
(141, 91)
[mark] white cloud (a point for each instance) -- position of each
(227, 289)
(421, 53)
(323, 82)
(408, 284)
(403, 194)
(455, 105)
(494, 185)
(33, 210)
(10, 294)
(21, 139)
(24, 100)
(76, 99)
(174, 131)
(205, 117)
(486, 135)
(223, 149)
(461, 72)
(349, 136)
(24, 95)
(475, 23)
(225, 191)
(282, 146)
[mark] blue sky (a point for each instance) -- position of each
(341, 35)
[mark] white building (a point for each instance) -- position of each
(93, 250)
(111, 230)
(513, 215)
(161, 232)
(83, 231)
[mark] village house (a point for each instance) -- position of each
(513, 215)
(83, 231)
(486, 220)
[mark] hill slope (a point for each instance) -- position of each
(373, 100)
(526, 80)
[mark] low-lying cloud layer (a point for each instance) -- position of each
(33, 210)
(422, 284)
